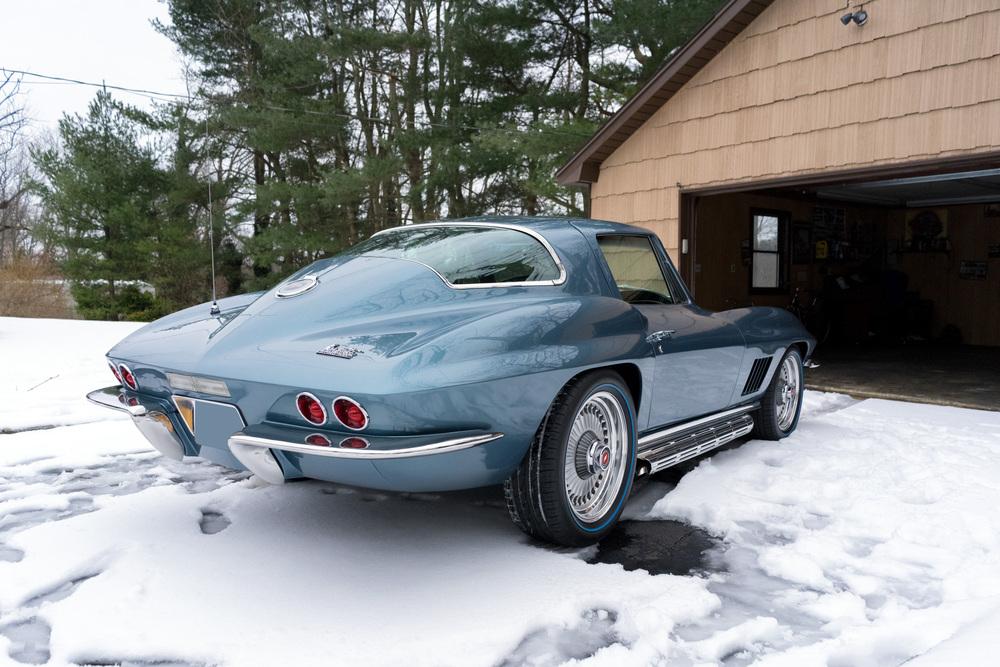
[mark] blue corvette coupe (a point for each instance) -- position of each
(560, 357)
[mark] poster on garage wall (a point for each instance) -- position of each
(972, 270)
(926, 230)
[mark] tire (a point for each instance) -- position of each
(776, 419)
(572, 485)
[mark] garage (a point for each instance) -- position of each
(898, 277)
(843, 162)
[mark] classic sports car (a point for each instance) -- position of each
(560, 357)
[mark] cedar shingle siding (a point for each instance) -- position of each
(796, 93)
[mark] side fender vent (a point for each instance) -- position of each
(757, 374)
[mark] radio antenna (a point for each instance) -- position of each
(215, 310)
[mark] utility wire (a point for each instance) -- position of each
(124, 89)
(191, 99)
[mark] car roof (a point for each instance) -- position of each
(571, 239)
(549, 222)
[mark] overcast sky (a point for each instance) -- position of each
(92, 40)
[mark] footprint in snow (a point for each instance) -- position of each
(213, 521)
(28, 641)
(60, 591)
(10, 554)
(557, 644)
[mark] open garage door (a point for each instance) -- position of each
(897, 276)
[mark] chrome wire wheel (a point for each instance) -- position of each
(597, 455)
(789, 391)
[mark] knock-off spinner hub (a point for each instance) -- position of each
(602, 458)
(596, 455)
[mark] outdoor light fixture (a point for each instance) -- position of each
(859, 17)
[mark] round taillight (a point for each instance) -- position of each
(127, 378)
(310, 408)
(318, 440)
(354, 443)
(350, 413)
(118, 376)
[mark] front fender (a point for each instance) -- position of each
(770, 329)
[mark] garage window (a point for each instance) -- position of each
(768, 257)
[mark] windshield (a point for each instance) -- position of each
(466, 254)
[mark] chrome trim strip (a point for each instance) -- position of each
(657, 436)
(108, 398)
(495, 225)
(442, 447)
(737, 430)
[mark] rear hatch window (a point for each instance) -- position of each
(468, 255)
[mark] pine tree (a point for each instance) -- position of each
(101, 192)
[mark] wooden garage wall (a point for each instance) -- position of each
(723, 278)
(798, 93)
(970, 305)
(722, 271)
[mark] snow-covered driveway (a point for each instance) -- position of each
(869, 537)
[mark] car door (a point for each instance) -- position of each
(697, 355)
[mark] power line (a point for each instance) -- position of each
(169, 97)
(92, 84)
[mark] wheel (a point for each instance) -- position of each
(782, 402)
(572, 485)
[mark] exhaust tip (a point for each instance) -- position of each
(260, 461)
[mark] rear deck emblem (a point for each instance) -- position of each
(338, 350)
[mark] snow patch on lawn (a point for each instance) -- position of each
(47, 365)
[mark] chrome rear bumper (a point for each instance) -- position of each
(114, 399)
(256, 452)
(153, 424)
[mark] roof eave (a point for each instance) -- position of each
(584, 166)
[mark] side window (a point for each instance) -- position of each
(768, 259)
(635, 268)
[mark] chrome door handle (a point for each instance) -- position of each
(660, 336)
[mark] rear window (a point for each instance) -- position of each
(467, 255)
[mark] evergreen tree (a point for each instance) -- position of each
(321, 122)
(124, 219)
(101, 191)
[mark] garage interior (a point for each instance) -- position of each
(897, 276)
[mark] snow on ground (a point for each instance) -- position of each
(867, 538)
(873, 531)
(47, 365)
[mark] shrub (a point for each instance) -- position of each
(30, 287)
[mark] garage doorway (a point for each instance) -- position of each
(897, 276)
